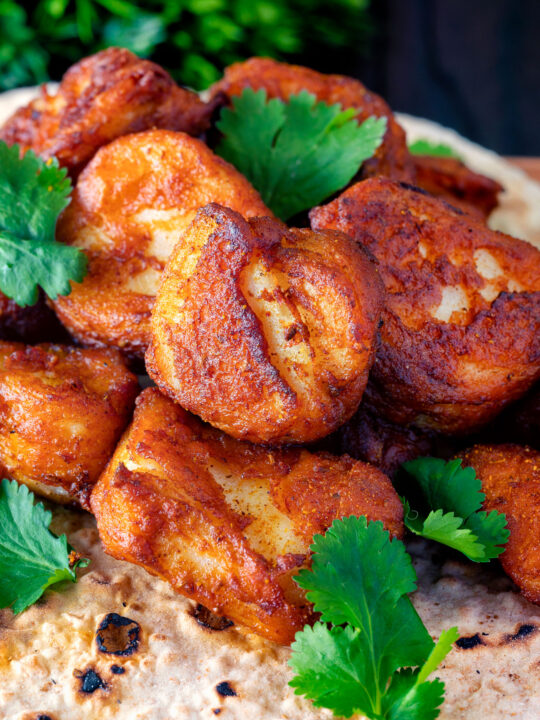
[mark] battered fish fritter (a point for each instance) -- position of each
(102, 97)
(228, 523)
(62, 411)
(510, 476)
(461, 325)
(265, 332)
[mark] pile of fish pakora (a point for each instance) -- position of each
(228, 523)
(392, 325)
(265, 332)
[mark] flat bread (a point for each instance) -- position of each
(121, 644)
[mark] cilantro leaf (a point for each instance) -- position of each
(454, 496)
(336, 584)
(296, 154)
(31, 557)
(33, 193)
(353, 660)
(426, 147)
(330, 668)
(406, 699)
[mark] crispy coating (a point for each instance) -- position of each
(461, 325)
(265, 332)
(225, 522)
(281, 80)
(129, 208)
(510, 476)
(62, 411)
(103, 97)
(453, 181)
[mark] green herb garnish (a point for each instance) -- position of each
(31, 557)
(454, 498)
(33, 193)
(298, 153)
(426, 147)
(370, 653)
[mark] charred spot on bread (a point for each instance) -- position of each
(90, 681)
(467, 643)
(118, 635)
(523, 631)
(225, 689)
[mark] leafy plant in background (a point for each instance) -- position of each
(193, 39)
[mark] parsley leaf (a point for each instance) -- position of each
(296, 154)
(426, 147)
(353, 660)
(453, 495)
(33, 193)
(31, 557)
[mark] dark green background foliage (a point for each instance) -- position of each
(193, 39)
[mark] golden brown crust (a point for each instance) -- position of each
(103, 97)
(453, 181)
(461, 331)
(129, 208)
(228, 523)
(265, 332)
(62, 410)
(281, 80)
(510, 476)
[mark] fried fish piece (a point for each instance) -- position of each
(102, 97)
(510, 476)
(62, 411)
(129, 209)
(461, 324)
(225, 522)
(265, 332)
(281, 80)
(452, 180)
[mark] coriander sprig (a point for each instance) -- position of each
(454, 498)
(33, 193)
(31, 557)
(370, 653)
(295, 153)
